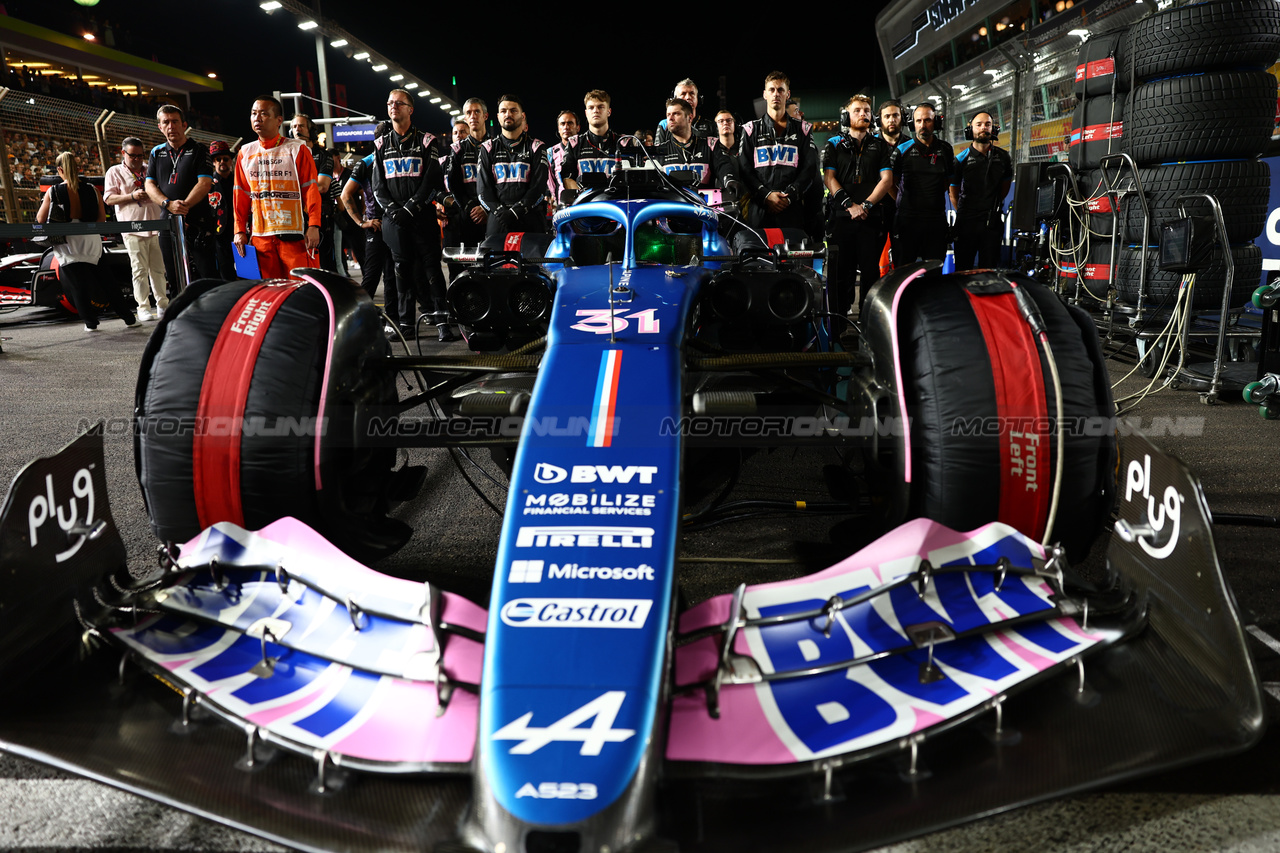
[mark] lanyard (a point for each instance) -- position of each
(588, 135)
(174, 157)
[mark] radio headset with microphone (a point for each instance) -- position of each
(995, 128)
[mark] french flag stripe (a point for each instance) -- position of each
(606, 399)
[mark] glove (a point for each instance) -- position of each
(412, 207)
(733, 189)
(397, 215)
(506, 218)
(568, 196)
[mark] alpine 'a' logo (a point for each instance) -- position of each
(604, 709)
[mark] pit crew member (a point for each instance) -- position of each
(687, 91)
(889, 128)
(858, 171)
(364, 210)
(984, 173)
(685, 150)
(922, 174)
(597, 149)
(468, 227)
(567, 128)
(302, 128)
(776, 162)
(407, 180)
(512, 175)
(727, 129)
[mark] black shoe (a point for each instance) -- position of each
(444, 333)
(410, 332)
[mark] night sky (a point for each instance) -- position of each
(491, 48)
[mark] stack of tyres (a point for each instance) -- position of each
(1201, 110)
(1102, 80)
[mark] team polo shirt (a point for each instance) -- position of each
(923, 174)
(979, 178)
(175, 172)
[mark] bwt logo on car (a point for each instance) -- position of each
(1169, 509)
(546, 473)
(584, 537)
(576, 612)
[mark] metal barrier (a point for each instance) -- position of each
(34, 129)
(173, 226)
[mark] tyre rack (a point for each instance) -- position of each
(1189, 375)
(1207, 378)
(1117, 198)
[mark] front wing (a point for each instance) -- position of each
(1157, 675)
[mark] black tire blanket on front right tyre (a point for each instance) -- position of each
(247, 407)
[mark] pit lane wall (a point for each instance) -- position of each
(1017, 60)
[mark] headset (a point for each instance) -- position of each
(846, 118)
(892, 102)
(909, 116)
(995, 128)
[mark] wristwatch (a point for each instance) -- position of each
(867, 205)
(164, 205)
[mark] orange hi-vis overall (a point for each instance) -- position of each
(276, 200)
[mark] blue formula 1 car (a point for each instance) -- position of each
(955, 667)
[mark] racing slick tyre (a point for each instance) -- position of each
(976, 385)
(1214, 116)
(1242, 188)
(1097, 129)
(1163, 286)
(246, 411)
(1103, 66)
(1224, 34)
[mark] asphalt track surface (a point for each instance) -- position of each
(55, 379)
